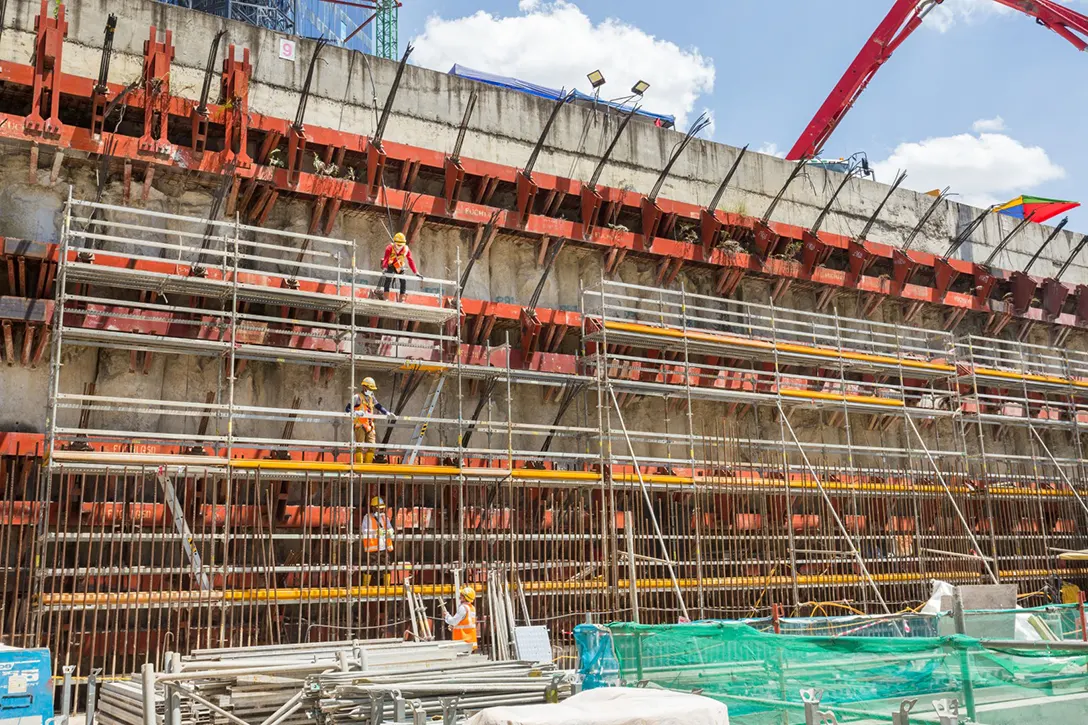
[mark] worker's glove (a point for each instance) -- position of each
(347, 408)
(419, 275)
(392, 417)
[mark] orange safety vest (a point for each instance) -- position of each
(465, 630)
(364, 404)
(399, 257)
(377, 533)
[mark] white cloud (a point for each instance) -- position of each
(950, 12)
(988, 125)
(983, 168)
(556, 44)
(708, 132)
(770, 148)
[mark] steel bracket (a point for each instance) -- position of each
(903, 268)
(1082, 304)
(454, 180)
(296, 153)
(902, 715)
(944, 274)
(156, 85)
(859, 259)
(1054, 295)
(236, 119)
(728, 280)
(530, 330)
(766, 239)
(99, 101)
(375, 168)
(591, 203)
(814, 252)
(200, 129)
(48, 51)
(984, 283)
(651, 219)
(526, 196)
(1023, 291)
(710, 229)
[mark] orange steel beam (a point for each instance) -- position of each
(48, 252)
(535, 224)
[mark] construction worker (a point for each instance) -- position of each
(377, 533)
(463, 621)
(364, 405)
(397, 257)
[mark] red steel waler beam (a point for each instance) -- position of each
(536, 224)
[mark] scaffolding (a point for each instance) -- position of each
(708, 457)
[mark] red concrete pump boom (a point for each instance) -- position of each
(902, 20)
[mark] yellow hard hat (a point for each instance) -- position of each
(369, 384)
(377, 502)
(399, 238)
(468, 593)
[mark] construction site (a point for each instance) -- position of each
(624, 375)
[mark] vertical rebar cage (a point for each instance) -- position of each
(200, 489)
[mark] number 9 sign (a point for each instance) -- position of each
(287, 49)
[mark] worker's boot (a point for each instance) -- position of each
(366, 580)
(359, 457)
(387, 578)
(368, 457)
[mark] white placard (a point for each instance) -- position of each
(287, 49)
(532, 644)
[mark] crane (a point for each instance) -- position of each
(902, 20)
(385, 31)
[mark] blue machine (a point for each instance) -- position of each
(26, 693)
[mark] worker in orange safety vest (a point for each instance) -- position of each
(377, 533)
(377, 528)
(364, 405)
(397, 257)
(463, 622)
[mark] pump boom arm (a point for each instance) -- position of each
(902, 20)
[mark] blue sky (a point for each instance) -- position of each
(763, 68)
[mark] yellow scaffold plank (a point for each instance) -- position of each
(302, 594)
(781, 347)
(1029, 377)
(530, 475)
(333, 467)
(866, 399)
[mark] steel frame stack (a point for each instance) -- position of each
(176, 524)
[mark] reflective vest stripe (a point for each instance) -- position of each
(377, 533)
(465, 630)
(397, 259)
(366, 406)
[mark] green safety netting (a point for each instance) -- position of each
(760, 675)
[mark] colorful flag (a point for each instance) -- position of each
(1022, 206)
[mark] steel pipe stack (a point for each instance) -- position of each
(358, 681)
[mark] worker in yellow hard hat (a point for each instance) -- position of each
(397, 257)
(463, 622)
(363, 405)
(376, 531)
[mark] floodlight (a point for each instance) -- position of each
(639, 88)
(596, 79)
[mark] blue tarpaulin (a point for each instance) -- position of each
(545, 92)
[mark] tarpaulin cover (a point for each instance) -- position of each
(612, 706)
(1022, 206)
(761, 674)
(545, 92)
